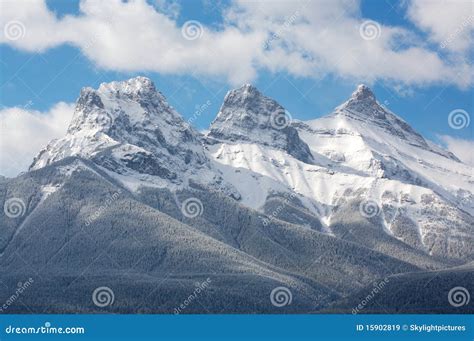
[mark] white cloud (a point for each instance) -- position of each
(23, 133)
(325, 38)
(305, 38)
(463, 149)
(449, 23)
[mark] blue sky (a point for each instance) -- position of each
(40, 70)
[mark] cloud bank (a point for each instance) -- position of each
(24, 132)
(463, 149)
(303, 38)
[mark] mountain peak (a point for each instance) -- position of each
(247, 95)
(363, 106)
(134, 86)
(135, 119)
(248, 89)
(363, 92)
(248, 86)
(248, 116)
(363, 103)
(134, 102)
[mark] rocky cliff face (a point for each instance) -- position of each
(247, 116)
(323, 207)
(130, 129)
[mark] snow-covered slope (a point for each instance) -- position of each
(129, 129)
(247, 115)
(323, 207)
(421, 194)
(362, 152)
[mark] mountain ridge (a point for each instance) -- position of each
(129, 129)
(249, 116)
(323, 207)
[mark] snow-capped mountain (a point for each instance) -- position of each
(323, 207)
(130, 129)
(360, 152)
(250, 117)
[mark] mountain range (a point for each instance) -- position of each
(262, 207)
